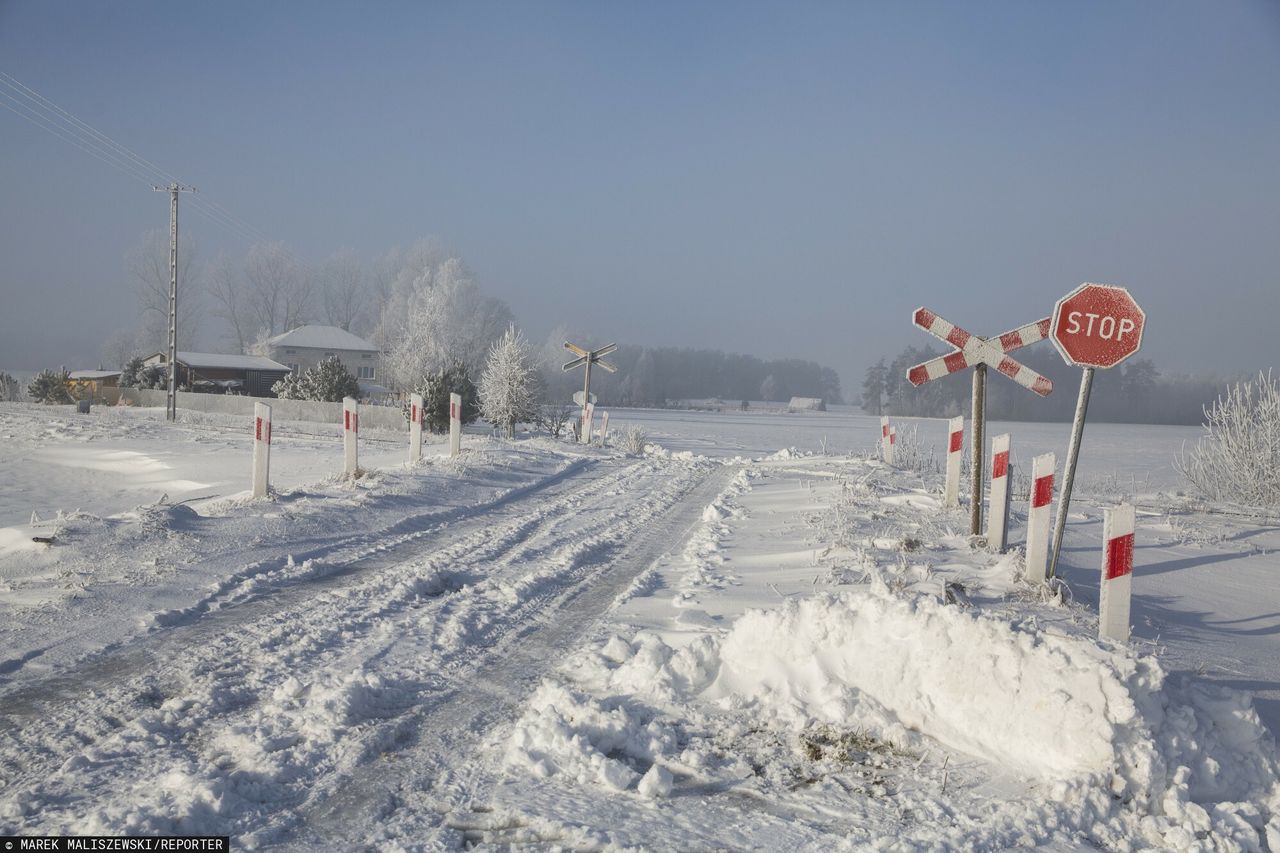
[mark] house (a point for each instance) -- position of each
(90, 381)
(807, 404)
(222, 373)
(306, 346)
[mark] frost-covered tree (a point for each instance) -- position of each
(435, 315)
(873, 386)
(435, 391)
(135, 374)
(148, 263)
(345, 294)
(508, 385)
(1238, 457)
(51, 386)
(9, 388)
(327, 382)
(289, 388)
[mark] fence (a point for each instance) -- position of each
(371, 417)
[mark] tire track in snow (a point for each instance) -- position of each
(420, 781)
(231, 664)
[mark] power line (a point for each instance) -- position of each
(50, 117)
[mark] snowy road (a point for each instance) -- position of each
(328, 702)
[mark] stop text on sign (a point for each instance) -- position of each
(1108, 327)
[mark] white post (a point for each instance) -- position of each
(1042, 468)
(884, 438)
(261, 449)
(589, 419)
(1117, 572)
(998, 510)
(350, 434)
(455, 424)
(604, 429)
(955, 445)
(415, 428)
(893, 442)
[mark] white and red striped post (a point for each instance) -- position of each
(261, 449)
(998, 507)
(415, 428)
(604, 429)
(350, 434)
(893, 443)
(455, 424)
(955, 445)
(886, 452)
(1042, 468)
(1117, 573)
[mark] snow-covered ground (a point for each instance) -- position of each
(716, 645)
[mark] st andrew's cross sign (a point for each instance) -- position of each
(979, 353)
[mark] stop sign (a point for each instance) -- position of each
(1097, 325)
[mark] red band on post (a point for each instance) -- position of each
(1119, 556)
(1000, 465)
(957, 441)
(1042, 495)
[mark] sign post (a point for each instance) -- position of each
(415, 428)
(978, 353)
(1095, 326)
(886, 452)
(588, 421)
(955, 448)
(998, 522)
(586, 358)
(261, 449)
(455, 424)
(350, 434)
(604, 429)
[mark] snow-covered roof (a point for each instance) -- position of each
(213, 360)
(94, 374)
(321, 337)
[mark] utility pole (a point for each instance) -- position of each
(171, 402)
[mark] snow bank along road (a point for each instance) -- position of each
(316, 701)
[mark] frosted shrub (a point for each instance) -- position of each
(909, 454)
(1238, 457)
(633, 440)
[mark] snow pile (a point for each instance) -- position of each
(1177, 762)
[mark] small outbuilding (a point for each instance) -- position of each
(807, 404)
(92, 381)
(224, 373)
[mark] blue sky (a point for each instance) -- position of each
(779, 179)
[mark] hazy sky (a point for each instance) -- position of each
(785, 179)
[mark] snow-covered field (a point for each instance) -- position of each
(731, 642)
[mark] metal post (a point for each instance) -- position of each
(585, 433)
(976, 448)
(171, 401)
(1069, 475)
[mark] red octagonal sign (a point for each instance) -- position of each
(1097, 325)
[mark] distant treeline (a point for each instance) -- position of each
(1133, 392)
(651, 376)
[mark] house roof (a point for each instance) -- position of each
(213, 360)
(94, 374)
(321, 337)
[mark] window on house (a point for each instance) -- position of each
(367, 355)
(365, 372)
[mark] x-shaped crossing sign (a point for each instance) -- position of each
(972, 350)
